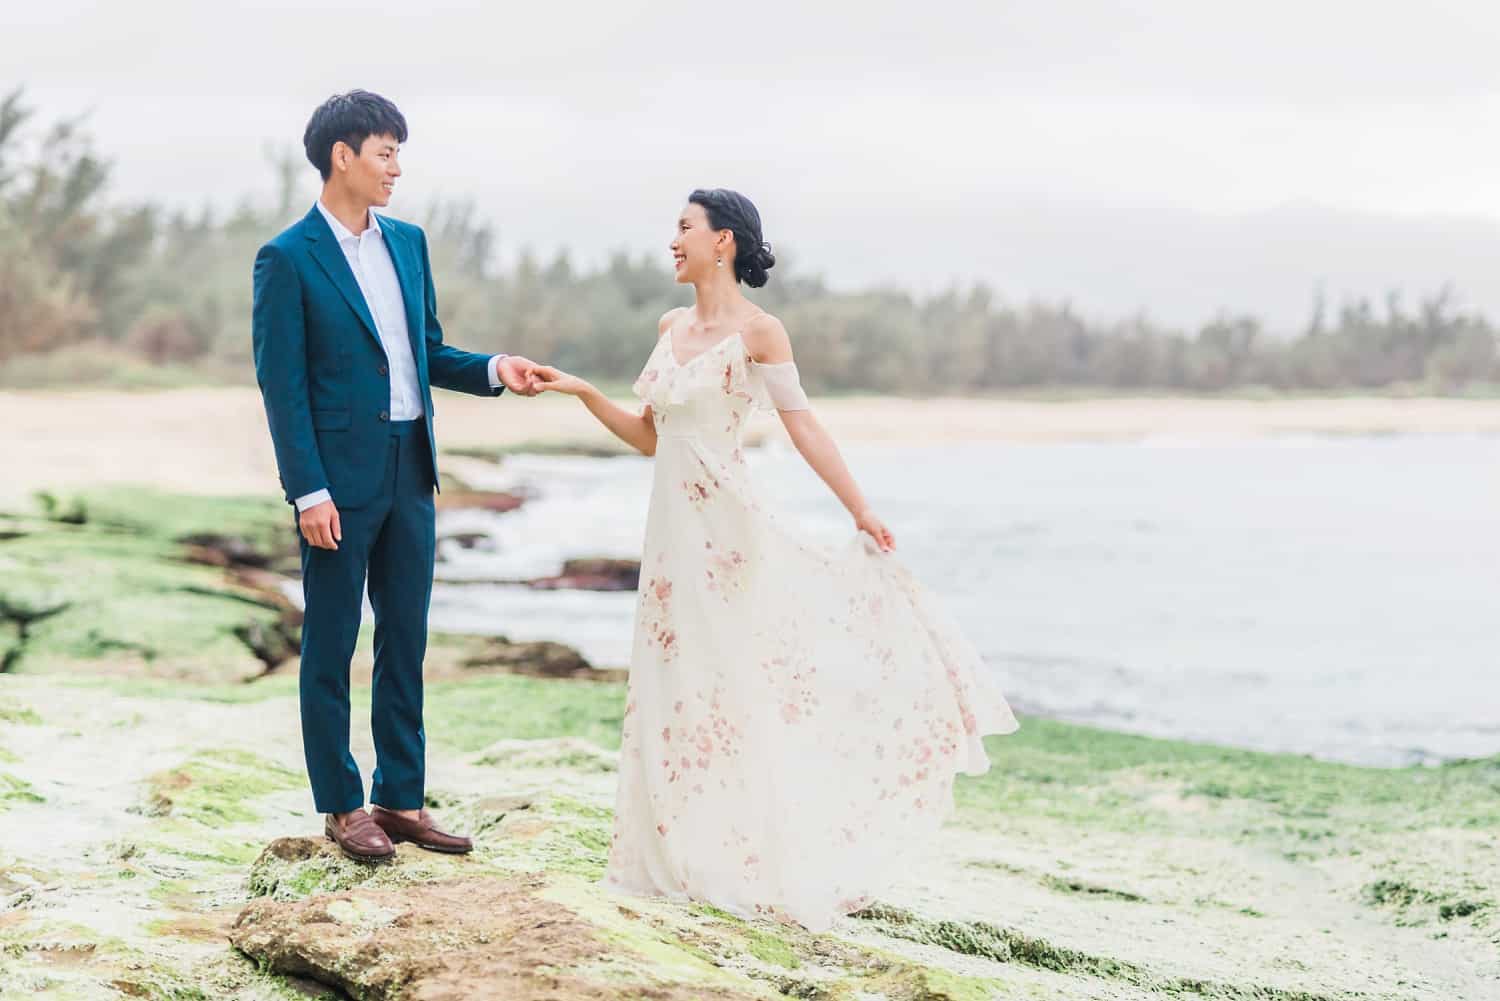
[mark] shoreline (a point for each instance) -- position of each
(214, 440)
(189, 547)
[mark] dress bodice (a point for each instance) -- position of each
(709, 397)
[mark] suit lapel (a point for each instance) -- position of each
(409, 275)
(326, 251)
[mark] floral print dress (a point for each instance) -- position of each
(795, 714)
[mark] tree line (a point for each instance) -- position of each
(80, 273)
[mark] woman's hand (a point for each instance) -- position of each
(545, 379)
(867, 522)
(636, 430)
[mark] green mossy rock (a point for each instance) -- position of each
(104, 586)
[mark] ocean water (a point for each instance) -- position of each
(1338, 596)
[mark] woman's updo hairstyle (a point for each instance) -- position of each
(733, 211)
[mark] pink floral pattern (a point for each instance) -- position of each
(725, 572)
(656, 616)
(797, 713)
(700, 490)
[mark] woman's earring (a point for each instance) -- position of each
(719, 263)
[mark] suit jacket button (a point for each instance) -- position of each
(385, 415)
(384, 371)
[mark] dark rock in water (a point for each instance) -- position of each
(271, 642)
(224, 551)
(498, 501)
(628, 570)
(257, 551)
(539, 659)
(593, 574)
(267, 586)
(470, 540)
(609, 448)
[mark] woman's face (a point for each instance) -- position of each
(696, 246)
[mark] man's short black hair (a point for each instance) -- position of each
(352, 118)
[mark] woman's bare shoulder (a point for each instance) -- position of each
(668, 318)
(766, 339)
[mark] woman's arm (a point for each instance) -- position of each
(817, 446)
(767, 341)
(636, 430)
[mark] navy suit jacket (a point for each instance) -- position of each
(320, 365)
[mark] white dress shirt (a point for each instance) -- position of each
(370, 260)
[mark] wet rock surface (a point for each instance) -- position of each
(537, 659)
(595, 574)
(497, 501)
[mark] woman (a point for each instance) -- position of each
(795, 716)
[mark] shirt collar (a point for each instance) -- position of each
(340, 231)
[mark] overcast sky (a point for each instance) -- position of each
(1172, 156)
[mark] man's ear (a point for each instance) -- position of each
(341, 155)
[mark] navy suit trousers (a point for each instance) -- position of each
(391, 540)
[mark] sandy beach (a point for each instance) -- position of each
(215, 440)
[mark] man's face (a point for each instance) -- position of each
(370, 175)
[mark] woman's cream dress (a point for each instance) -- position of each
(796, 714)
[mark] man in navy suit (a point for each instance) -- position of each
(347, 350)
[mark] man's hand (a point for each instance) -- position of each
(515, 374)
(320, 525)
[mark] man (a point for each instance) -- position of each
(347, 347)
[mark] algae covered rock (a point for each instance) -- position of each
(177, 636)
(261, 529)
(113, 582)
(547, 935)
(478, 939)
(296, 868)
(217, 787)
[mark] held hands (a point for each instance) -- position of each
(545, 378)
(320, 525)
(867, 522)
(526, 378)
(516, 374)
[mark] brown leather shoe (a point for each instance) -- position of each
(421, 832)
(359, 837)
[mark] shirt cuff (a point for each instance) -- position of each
(316, 497)
(495, 382)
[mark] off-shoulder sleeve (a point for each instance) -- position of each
(645, 384)
(642, 384)
(777, 386)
